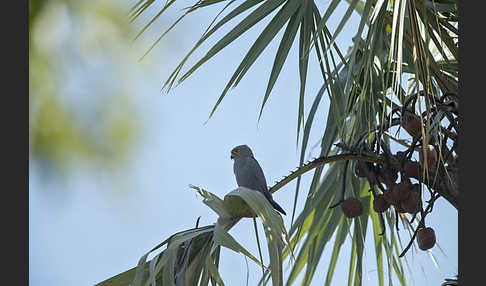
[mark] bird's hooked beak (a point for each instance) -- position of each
(233, 153)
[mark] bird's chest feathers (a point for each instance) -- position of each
(249, 174)
(243, 166)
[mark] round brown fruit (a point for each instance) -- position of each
(380, 204)
(412, 169)
(391, 196)
(426, 238)
(402, 191)
(352, 207)
(412, 123)
(412, 204)
(431, 156)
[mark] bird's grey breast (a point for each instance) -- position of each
(249, 174)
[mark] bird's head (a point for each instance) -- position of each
(241, 151)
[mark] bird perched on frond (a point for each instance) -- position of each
(249, 174)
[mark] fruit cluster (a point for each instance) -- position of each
(403, 195)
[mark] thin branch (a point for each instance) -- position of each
(368, 157)
(421, 223)
(402, 142)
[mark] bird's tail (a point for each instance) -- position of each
(277, 207)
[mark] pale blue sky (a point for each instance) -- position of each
(106, 221)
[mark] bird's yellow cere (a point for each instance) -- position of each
(234, 152)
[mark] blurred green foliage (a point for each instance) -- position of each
(80, 107)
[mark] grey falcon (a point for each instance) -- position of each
(249, 174)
